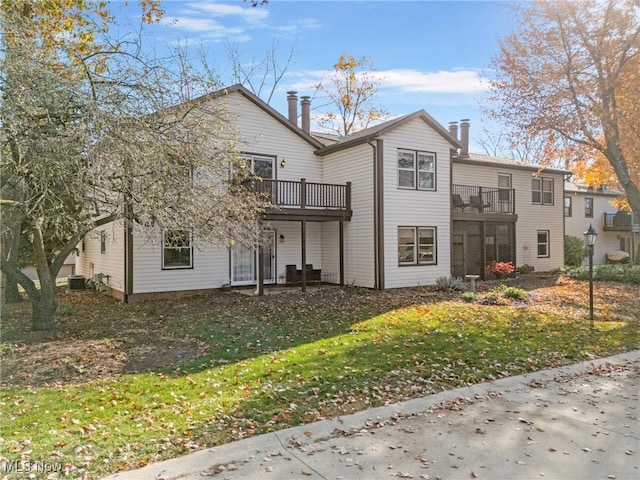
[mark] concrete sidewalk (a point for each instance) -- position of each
(577, 422)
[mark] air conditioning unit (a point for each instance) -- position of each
(76, 282)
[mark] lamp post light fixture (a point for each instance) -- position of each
(590, 237)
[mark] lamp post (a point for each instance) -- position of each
(590, 237)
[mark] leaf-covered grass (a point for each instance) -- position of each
(270, 365)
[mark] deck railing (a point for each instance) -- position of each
(620, 221)
(303, 194)
(474, 198)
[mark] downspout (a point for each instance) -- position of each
(375, 216)
(378, 215)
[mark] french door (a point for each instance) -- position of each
(244, 263)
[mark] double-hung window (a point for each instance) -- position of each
(542, 191)
(416, 170)
(543, 243)
(177, 249)
(567, 207)
(588, 207)
(416, 245)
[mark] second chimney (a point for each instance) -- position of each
(292, 100)
(305, 107)
(464, 137)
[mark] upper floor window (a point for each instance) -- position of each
(588, 207)
(257, 165)
(416, 245)
(567, 206)
(504, 187)
(177, 249)
(416, 170)
(103, 241)
(542, 191)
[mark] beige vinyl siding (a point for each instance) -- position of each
(531, 218)
(416, 208)
(354, 165)
(91, 262)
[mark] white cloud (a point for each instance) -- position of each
(406, 80)
(456, 81)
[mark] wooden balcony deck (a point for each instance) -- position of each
(474, 200)
(302, 200)
(617, 222)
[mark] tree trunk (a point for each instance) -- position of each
(10, 292)
(43, 310)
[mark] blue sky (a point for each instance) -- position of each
(428, 54)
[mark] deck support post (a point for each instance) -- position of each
(303, 230)
(260, 290)
(341, 228)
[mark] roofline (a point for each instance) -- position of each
(265, 107)
(386, 127)
(528, 167)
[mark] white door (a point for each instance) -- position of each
(244, 261)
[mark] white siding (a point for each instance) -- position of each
(578, 223)
(289, 249)
(210, 267)
(259, 133)
(531, 218)
(416, 207)
(91, 262)
(354, 165)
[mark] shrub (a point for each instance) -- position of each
(516, 293)
(499, 268)
(574, 251)
(449, 283)
(625, 273)
(525, 269)
(468, 296)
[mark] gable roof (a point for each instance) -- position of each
(488, 160)
(370, 133)
(265, 107)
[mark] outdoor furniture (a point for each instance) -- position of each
(476, 202)
(294, 275)
(457, 201)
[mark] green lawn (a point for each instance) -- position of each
(271, 366)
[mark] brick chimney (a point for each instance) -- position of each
(305, 106)
(464, 137)
(292, 101)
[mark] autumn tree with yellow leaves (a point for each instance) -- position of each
(350, 95)
(93, 133)
(569, 76)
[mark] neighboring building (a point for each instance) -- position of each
(373, 209)
(617, 230)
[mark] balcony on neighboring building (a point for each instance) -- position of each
(302, 200)
(474, 200)
(617, 222)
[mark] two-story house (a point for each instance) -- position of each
(396, 205)
(505, 211)
(617, 230)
